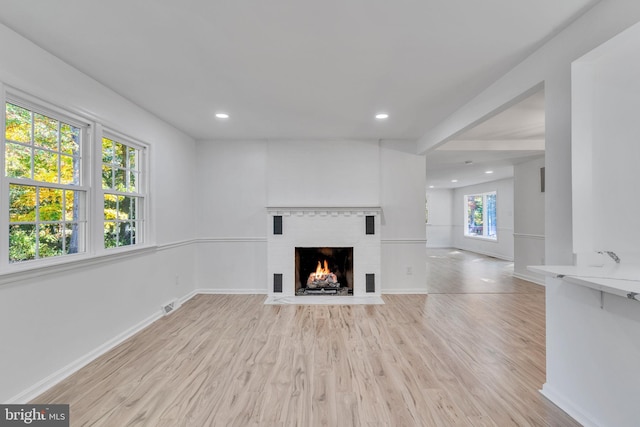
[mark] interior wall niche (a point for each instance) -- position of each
(337, 261)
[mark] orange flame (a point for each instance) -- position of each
(322, 272)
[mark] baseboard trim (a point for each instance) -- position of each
(537, 280)
(187, 297)
(567, 406)
(53, 379)
(485, 253)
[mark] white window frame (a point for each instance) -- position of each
(485, 228)
(142, 185)
(40, 107)
(90, 183)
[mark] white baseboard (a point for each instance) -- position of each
(53, 379)
(567, 406)
(486, 253)
(532, 279)
(187, 297)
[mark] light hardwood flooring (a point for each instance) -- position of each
(446, 359)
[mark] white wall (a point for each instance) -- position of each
(579, 343)
(232, 188)
(503, 247)
(402, 189)
(606, 129)
(440, 225)
(57, 320)
(529, 206)
(237, 180)
(323, 173)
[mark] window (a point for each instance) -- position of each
(47, 202)
(122, 196)
(480, 216)
(61, 196)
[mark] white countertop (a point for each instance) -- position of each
(615, 279)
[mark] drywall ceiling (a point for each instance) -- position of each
(293, 69)
(513, 136)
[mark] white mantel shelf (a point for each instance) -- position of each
(355, 210)
(621, 280)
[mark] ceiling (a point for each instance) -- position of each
(510, 137)
(286, 69)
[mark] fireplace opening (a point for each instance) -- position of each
(324, 271)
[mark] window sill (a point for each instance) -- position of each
(31, 269)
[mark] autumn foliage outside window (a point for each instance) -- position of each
(59, 200)
(43, 161)
(123, 199)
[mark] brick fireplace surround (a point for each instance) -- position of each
(346, 226)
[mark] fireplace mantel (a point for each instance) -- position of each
(324, 210)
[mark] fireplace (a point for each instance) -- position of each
(323, 271)
(347, 238)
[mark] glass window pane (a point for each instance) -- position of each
(45, 166)
(22, 203)
(50, 240)
(474, 215)
(126, 234)
(45, 131)
(133, 158)
(133, 181)
(120, 154)
(107, 150)
(491, 226)
(110, 206)
(72, 206)
(73, 233)
(133, 207)
(69, 139)
(107, 177)
(18, 124)
(110, 235)
(120, 180)
(22, 242)
(70, 170)
(18, 161)
(123, 207)
(50, 204)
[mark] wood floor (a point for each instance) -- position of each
(446, 359)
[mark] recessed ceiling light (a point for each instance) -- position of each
(488, 171)
(382, 116)
(454, 180)
(222, 115)
(431, 186)
(468, 162)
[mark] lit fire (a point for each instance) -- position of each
(322, 276)
(321, 272)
